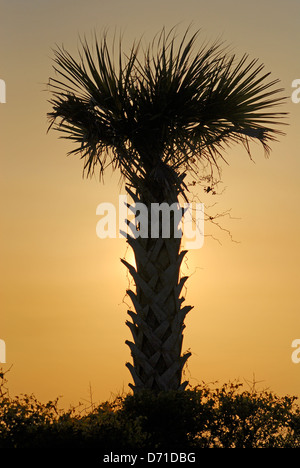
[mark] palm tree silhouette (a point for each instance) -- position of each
(156, 116)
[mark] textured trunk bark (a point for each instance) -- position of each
(158, 319)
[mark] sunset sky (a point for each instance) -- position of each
(62, 290)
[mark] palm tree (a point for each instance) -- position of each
(156, 116)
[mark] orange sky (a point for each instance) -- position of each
(62, 289)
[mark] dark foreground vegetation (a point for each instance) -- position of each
(228, 416)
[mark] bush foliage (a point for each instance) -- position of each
(205, 416)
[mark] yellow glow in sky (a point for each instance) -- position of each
(63, 304)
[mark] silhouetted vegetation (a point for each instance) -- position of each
(206, 416)
(157, 113)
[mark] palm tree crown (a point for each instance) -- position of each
(154, 117)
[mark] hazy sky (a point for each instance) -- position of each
(63, 308)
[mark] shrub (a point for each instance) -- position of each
(205, 416)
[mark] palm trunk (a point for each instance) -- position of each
(158, 320)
